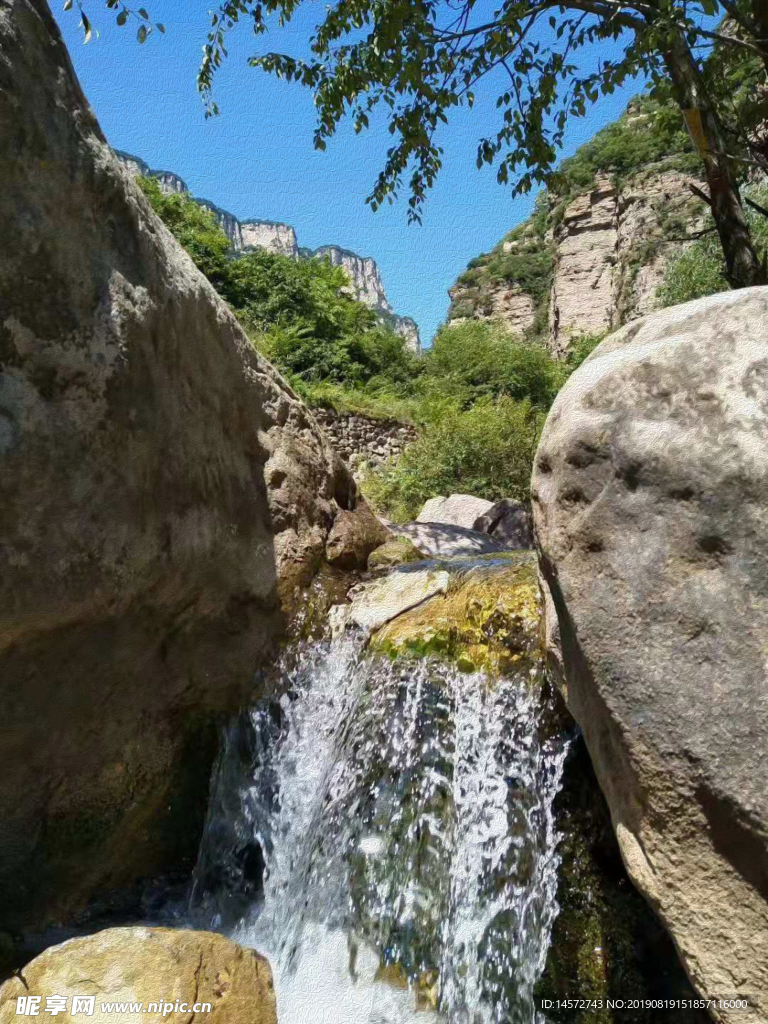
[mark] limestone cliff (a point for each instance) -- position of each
(594, 253)
(365, 279)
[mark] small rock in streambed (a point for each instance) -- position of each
(399, 551)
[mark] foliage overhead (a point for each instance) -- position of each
(422, 58)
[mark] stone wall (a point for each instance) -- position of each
(360, 439)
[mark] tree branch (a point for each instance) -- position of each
(756, 206)
(700, 194)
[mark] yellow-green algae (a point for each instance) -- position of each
(490, 617)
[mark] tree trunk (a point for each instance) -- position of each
(743, 267)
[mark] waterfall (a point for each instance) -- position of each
(384, 834)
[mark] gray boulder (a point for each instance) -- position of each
(507, 522)
(161, 488)
(650, 498)
(458, 510)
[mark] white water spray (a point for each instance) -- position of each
(401, 817)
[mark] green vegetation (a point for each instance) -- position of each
(421, 62)
(482, 399)
(700, 269)
(295, 311)
(475, 360)
(485, 450)
(650, 133)
(479, 395)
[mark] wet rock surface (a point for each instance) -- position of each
(441, 540)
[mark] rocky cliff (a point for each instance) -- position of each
(365, 279)
(594, 253)
(162, 489)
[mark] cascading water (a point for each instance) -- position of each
(384, 835)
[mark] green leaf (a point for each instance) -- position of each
(142, 34)
(144, 14)
(160, 27)
(68, 5)
(122, 17)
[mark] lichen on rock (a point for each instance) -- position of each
(488, 619)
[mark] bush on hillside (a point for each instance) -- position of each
(700, 269)
(479, 359)
(485, 450)
(298, 312)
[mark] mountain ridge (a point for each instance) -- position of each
(279, 237)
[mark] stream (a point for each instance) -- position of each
(384, 834)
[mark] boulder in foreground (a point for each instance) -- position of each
(650, 497)
(147, 966)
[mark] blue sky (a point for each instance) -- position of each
(256, 159)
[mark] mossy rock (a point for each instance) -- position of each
(399, 551)
(489, 618)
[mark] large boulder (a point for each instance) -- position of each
(398, 551)
(354, 536)
(184, 975)
(458, 510)
(650, 498)
(507, 522)
(160, 488)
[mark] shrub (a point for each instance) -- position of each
(194, 227)
(486, 450)
(700, 269)
(475, 360)
(297, 312)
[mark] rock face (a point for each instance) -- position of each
(161, 488)
(458, 510)
(365, 280)
(601, 278)
(184, 974)
(507, 522)
(650, 497)
(597, 248)
(269, 235)
(510, 306)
